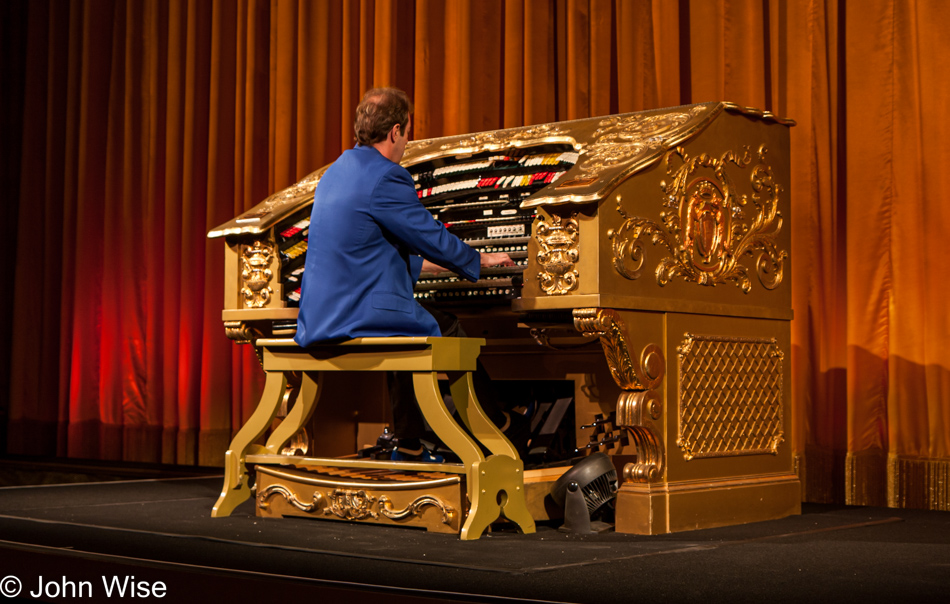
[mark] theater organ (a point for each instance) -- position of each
(652, 255)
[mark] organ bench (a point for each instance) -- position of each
(449, 497)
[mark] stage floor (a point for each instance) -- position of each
(160, 532)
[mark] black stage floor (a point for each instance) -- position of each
(160, 530)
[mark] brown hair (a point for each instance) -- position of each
(378, 112)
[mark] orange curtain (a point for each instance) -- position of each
(145, 124)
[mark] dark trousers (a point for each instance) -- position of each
(407, 417)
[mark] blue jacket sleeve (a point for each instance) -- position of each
(415, 267)
(398, 211)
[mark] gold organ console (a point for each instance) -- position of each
(652, 257)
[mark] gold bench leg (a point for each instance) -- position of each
(494, 485)
(426, 385)
(236, 490)
(310, 390)
(472, 414)
(499, 480)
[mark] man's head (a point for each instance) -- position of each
(380, 110)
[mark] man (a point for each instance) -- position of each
(369, 239)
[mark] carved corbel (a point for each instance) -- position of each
(240, 332)
(639, 404)
(606, 324)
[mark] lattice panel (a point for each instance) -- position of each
(730, 396)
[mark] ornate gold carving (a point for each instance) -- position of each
(621, 139)
(639, 404)
(504, 138)
(606, 324)
(730, 396)
(317, 502)
(351, 505)
(637, 407)
(413, 509)
(256, 274)
(558, 253)
(240, 332)
(649, 464)
(355, 505)
(299, 191)
(707, 235)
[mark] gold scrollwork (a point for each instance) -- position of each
(290, 196)
(606, 324)
(240, 332)
(351, 505)
(277, 489)
(649, 464)
(619, 140)
(635, 408)
(504, 138)
(413, 509)
(558, 253)
(707, 235)
(256, 274)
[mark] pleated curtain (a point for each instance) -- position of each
(146, 123)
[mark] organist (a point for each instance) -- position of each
(370, 237)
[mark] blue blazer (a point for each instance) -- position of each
(368, 230)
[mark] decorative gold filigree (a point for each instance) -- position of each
(241, 332)
(558, 254)
(649, 464)
(288, 197)
(351, 505)
(707, 235)
(256, 274)
(504, 138)
(731, 396)
(413, 509)
(277, 489)
(606, 324)
(619, 140)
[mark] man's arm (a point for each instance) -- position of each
(398, 211)
(486, 259)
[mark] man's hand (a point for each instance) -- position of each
(495, 259)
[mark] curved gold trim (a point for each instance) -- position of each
(241, 332)
(649, 464)
(290, 497)
(752, 111)
(386, 508)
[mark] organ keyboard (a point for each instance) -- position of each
(661, 236)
